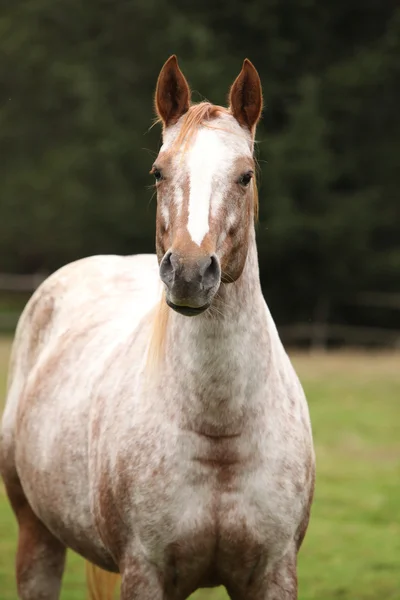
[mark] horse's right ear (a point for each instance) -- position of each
(172, 93)
(245, 98)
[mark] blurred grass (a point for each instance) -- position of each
(352, 549)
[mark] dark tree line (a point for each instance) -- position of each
(77, 81)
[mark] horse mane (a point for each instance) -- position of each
(159, 323)
(198, 115)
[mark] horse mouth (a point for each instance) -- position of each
(187, 311)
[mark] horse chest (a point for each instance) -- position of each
(211, 499)
(239, 500)
(217, 512)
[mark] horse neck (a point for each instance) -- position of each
(221, 357)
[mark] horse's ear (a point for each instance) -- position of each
(172, 93)
(245, 97)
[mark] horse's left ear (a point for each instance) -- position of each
(172, 93)
(245, 97)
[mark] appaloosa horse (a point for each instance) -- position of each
(162, 433)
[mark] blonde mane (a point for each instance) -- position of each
(156, 349)
(198, 115)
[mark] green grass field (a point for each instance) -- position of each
(352, 549)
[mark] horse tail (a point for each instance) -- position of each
(101, 584)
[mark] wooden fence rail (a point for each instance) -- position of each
(345, 334)
(310, 333)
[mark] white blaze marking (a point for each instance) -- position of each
(209, 163)
(207, 158)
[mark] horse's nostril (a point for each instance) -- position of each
(166, 268)
(211, 271)
(179, 273)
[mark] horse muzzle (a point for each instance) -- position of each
(191, 283)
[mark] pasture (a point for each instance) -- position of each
(352, 549)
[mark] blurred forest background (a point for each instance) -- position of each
(77, 82)
(77, 79)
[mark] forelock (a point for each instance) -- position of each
(178, 138)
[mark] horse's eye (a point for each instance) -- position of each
(245, 179)
(157, 174)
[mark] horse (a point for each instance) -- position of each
(154, 423)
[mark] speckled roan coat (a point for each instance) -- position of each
(193, 472)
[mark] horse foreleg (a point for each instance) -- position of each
(277, 582)
(140, 581)
(40, 556)
(281, 581)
